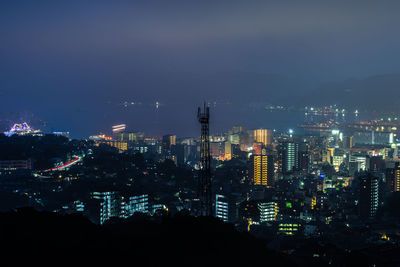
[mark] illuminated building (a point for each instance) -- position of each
(348, 141)
(129, 136)
(114, 205)
(217, 150)
(368, 196)
(139, 203)
(15, 167)
(109, 206)
(134, 204)
(79, 206)
(351, 141)
(221, 207)
(389, 176)
(263, 135)
(339, 157)
(227, 206)
(303, 158)
(321, 127)
(228, 150)
(217, 138)
(268, 211)
(373, 138)
(313, 202)
(393, 178)
(263, 169)
(320, 201)
(167, 142)
(396, 187)
(234, 139)
(288, 156)
(357, 162)
(15, 164)
(172, 140)
(100, 137)
(21, 129)
(328, 155)
(122, 146)
(141, 147)
(289, 227)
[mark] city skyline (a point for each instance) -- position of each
(227, 133)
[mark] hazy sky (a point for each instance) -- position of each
(73, 62)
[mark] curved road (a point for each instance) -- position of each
(66, 165)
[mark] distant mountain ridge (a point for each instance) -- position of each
(375, 93)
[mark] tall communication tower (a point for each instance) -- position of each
(205, 168)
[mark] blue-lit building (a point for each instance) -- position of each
(288, 156)
(268, 211)
(109, 205)
(79, 206)
(222, 207)
(114, 205)
(227, 207)
(134, 204)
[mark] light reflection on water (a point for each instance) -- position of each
(181, 119)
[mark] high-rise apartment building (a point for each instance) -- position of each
(263, 135)
(109, 205)
(396, 181)
(227, 206)
(221, 207)
(228, 150)
(368, 196)
(303, 157)
(263, 169)
(268, 211)
(288, 156)
(393, 178)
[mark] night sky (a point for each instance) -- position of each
(74, 64)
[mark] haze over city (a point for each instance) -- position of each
(74, 62)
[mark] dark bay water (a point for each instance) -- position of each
(176, 118)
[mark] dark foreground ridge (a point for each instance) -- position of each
(45, 238)
(30, 237)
